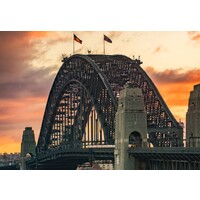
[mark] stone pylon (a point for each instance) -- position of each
(131, 127)
(28, 145)
(193, 118)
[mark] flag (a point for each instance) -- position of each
(77, 39)
(107, 39)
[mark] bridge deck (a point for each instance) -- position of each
(166, 153)
(80, 155)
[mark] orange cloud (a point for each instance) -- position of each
(175, 85)
(39, 34)
(158, 49)
(174, 75)
(194, 35)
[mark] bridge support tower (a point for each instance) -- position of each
(131, 128)
(193, 118)
(28, 146)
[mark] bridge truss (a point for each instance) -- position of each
(82, 103)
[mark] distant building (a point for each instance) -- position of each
(9, 159)
(193, 118)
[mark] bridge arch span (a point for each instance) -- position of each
(92, 82)
(79, 70)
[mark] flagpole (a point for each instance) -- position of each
(73, 43)
(104, 46)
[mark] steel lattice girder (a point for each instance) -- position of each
(101, 77)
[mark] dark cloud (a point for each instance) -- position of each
(175, 84)
(15, 52)
(33, 82)
(23, 88)
(19, 48)
(18, 78)
(174, 75)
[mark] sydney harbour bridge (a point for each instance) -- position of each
(79, 119)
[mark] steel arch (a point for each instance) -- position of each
(69, 72)
(100, 78)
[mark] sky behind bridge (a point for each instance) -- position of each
(29, 62)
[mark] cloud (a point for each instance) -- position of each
(158, 49)
(194, 35)
(21, 110)
(174, 75)
(175, 84)
(33, 82)
(20, 48)
(114, 34)
(51, 37)
(24, 87)
(15, 51)
(19, 77)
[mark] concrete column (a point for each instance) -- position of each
(193, 118)
(131, 124)
(28, 145)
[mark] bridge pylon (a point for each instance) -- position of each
(131, 127)
(28, 145)
(192, 118)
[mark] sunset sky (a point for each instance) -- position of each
(29, 62)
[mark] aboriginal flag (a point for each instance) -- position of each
(77, 39)
(107, 39)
